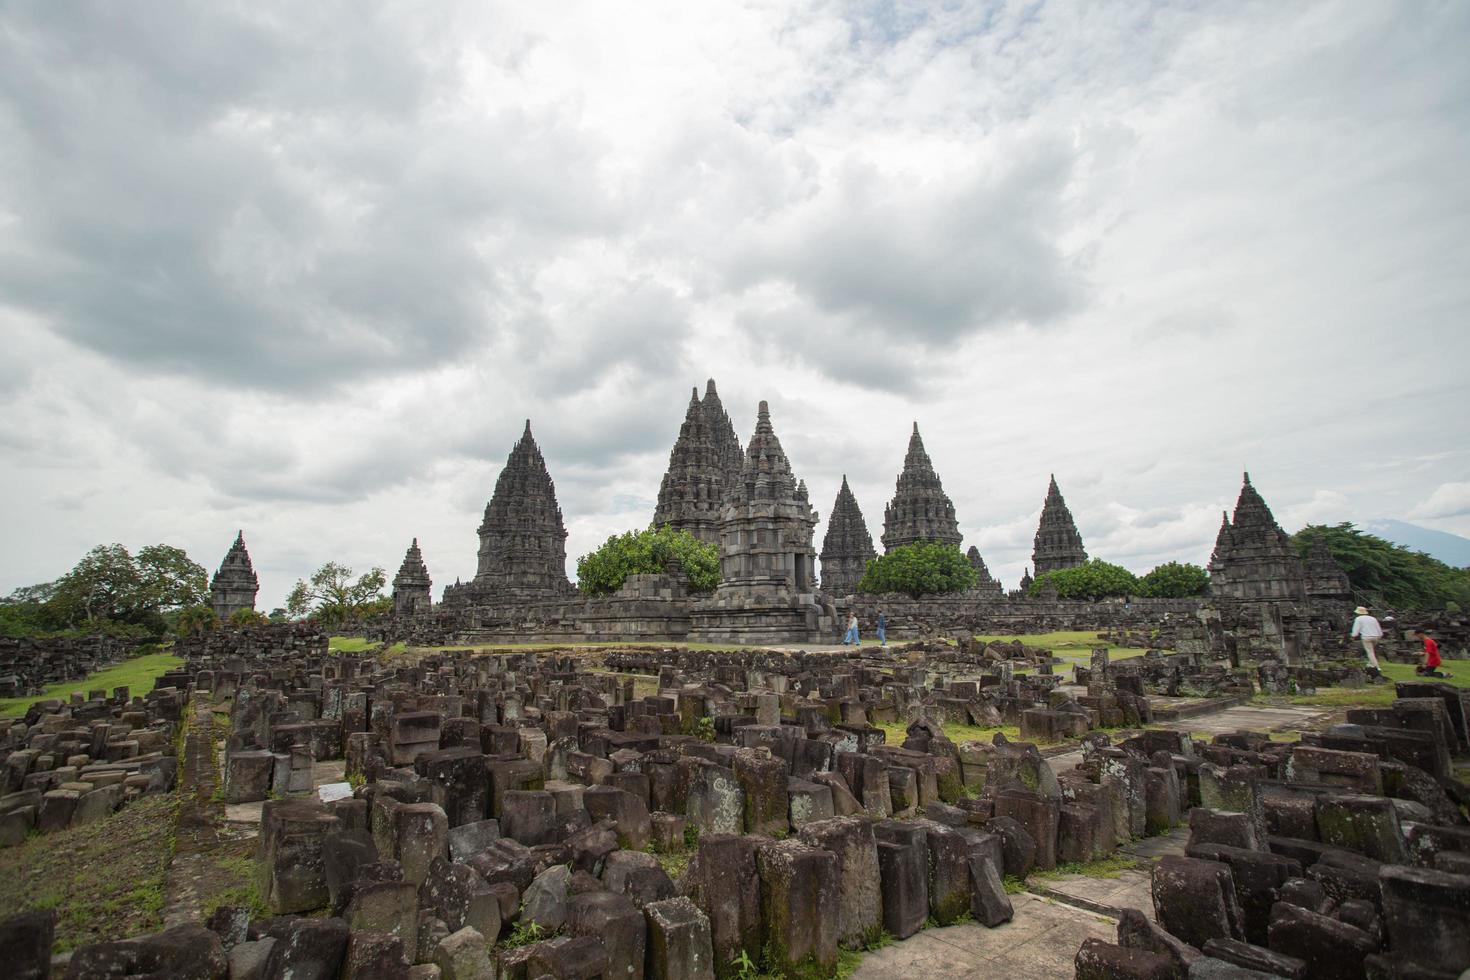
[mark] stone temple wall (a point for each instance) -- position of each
(908, 617)
(27, 666)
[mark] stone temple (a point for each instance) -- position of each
(523, 541)
(412, 588)
(235, 585)
(920, 509)
(1058, 545)
(1253, 557)
(768, 585)
(983, 580)
(847, 546)
(706, 459)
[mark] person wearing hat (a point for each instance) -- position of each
(1366, 628)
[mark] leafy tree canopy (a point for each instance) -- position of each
(647, 552)
(1093, 579)
(1174, 580)
(919, 569)
(1385, 574)
(333, 596)
(109, 590)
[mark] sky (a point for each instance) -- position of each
(305, 270)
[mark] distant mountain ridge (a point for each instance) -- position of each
(1452, 549)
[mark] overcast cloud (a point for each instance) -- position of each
(306, 270)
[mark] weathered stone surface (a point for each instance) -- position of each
(1098, 959)
(989, 904)
(1427, 914)
(310, 949)
(723, 882)
(412, 588)
(1331, 950)
(462, 956)
(902, 865)
(860, 901)
(618, 924)
(1137, 931)
(386, 907)
(1195, 900)
(25, 944)
(1256, 958)
(545, 902)
(628, 813)
(799, 891)
(678, 942)
(234, 585)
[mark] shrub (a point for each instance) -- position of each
(647, 552)
(1093, 579)
(920, 569)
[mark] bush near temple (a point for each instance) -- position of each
(647, 552)
(1174, 580)
(924, 568)
(333, 597)
(1092, 580)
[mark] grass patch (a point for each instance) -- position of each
(137, 674)
(674, 865)
(894, 732)
(242, 892)
(1460, 669)
(105, 880)
(1108, 867)
(1069, 644)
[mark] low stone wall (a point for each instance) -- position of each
(27, 666)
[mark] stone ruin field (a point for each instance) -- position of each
(280, 805)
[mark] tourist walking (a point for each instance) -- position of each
(1430, 667)
(1367, 629)
(882, 630)
(851, 637)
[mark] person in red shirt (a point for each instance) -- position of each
(1430, 667)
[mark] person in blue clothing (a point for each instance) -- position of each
(882, 630)
(851, 637)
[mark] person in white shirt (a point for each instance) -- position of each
(1366, 628)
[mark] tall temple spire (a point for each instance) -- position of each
(847, 546)
(705, 459)
(983, 580)
(522, 538)
(235, 585)
(1058, 545)
(920, 509)
(1254, 557)
(412, 587)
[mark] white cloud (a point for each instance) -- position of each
(307, 273)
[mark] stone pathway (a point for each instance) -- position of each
(1040, 943)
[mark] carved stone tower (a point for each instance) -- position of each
(1254, 558)
(1057, 545)
(847, 545)
(767, 521)
(1326, 580)
(523, 542)
(920, 510)
(767, 592)
(983, 581)
(412, 588)
(235, 585)
(706, 458)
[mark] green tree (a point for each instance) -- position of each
(1174, 580)
(196, 619)
(334, 596)
(1385, 574)
(168, 579)
(647, 552)
(109, 590)
(1092, 580)
(247, 617)
(923, 568)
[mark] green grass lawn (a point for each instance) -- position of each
(137, 674)
(896, 732)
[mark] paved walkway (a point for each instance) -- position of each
(1040, 943)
